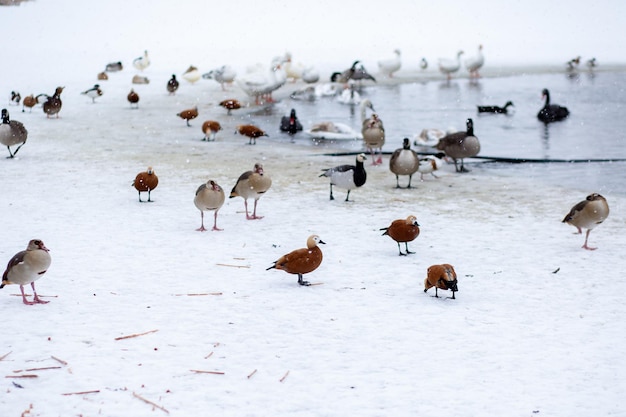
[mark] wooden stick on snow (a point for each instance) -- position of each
(150, 402)
(284, 377)
(136, 334)
(95, 391)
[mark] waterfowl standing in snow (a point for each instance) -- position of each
(495, 109)
(588, 214)
(16, 97)
(373, 131)
(140, 79)
(442, 277)
(12, 133)
(172, 85)
(390, 65)
(192, 74)
(251, 132)
(133, 98)
(551, 112)
(230, 104)
(53, 104)
(223, 75)
(209, 197)
(261, 83)
(102, 76)
(29, 101)
(188, 114)
(429, 164)
(450, 66)
(26, 267)
(146, 181)
(475, 63)
(347, 177)
(93, 93)
(301, 261)
(404, 161)
(403, 231)
(142, 62)
(460, 145)
(252, 184)
(210, 129)
(290, 124)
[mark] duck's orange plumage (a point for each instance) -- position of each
(251, 131)
(230, 104)
(403, 231)
(301, 261)
(210, 129)
(188, 114)
(441, 277)
(146, 182)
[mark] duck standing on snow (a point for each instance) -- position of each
(261, 83)
(188, 114)
(460, 145)
(142, 62)
(192, 74)
(403, 231)
(588, 214)
(252, 184)
(551, 112)
(404, 161)
(52, 105)
(301, 261)
(473, 64)
(230, 104)
(172, 85)
(12, 133)
(347, 177)
(209, 197)
(29, 101)
(495, 109)
(373, 131)
(223, 75)
(133, 99)
(391, 65)
(290, 124)
(93, 93)
(450, 66)
(146, 181)
(16, 97)
(210, 129)
(252, 132)
(429, 164)
(26, 267)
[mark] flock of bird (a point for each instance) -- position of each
(31, 264)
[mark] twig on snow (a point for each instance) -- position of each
(136, 334)
(150, 402)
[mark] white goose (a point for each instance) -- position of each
(260, 84)
(390, 65)
(473, 64)
(223, 75)
(142, 62)
(450, 66)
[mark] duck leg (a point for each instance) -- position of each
(331, 192)
(215, 222)
(201, 228)
(302, 282)
(587, 238)
(348, 196)
(406, 245)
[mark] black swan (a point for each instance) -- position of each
(551, 112)
(495, 109)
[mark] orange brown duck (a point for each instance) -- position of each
(230, 104)
(252, 132)
(301, 261)
(29, 101)
(441, 277)
(210, 129)
(146, 182)
(188, 114)
(133, 99)
(403, 231)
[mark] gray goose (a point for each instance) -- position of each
(588, 214)
(12, 133)
(460, 145)
(26, 267)
(404, 161)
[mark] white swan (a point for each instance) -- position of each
(261, 84)
(142, 62)
(473, 64)
(332, 131)
(390, 65)
(450, 66)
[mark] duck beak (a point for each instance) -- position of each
(322, 242)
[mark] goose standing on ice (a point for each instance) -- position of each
(142, 62)
(373, 131)
(404, 161)
(473, 64)
(12, 133)
(26, 267)
(346, 176)
(223, 75)
(260, 84)
(209, 197)
(450, 66)
(588, 214)
(390, 65)
(460, 145)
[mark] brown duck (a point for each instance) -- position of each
(301, 261)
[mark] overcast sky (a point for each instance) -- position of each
(241, 32)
